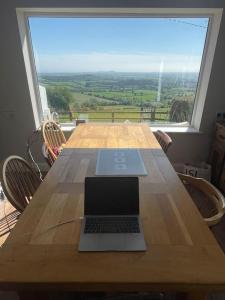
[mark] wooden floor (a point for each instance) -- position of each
(8, 219)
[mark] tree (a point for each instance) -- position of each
(59, 98)
(180, 111)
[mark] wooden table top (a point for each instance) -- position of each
(42, 250)
(112, 135)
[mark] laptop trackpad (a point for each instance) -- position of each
(112, 242)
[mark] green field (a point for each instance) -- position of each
(116, 114)
(113, 97)
(134, 96)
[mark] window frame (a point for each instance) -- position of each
(214, 15)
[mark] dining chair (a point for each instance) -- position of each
(54, 139)
(164, 140)
(80, 121)
(47, 155)
(207, 198)
(19, 181)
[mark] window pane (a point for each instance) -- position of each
(118, 69)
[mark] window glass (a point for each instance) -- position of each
(118, 69)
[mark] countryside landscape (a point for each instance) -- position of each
(120, 96)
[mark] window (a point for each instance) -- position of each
(117, 68)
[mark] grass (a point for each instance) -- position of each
(116, 114)
(118, 93)
(137, 95)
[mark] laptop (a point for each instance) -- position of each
(111, 215)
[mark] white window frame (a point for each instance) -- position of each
(214, 15)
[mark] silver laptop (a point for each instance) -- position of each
(111, 215)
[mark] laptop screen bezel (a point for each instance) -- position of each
(134, 181)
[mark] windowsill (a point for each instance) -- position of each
(176, 129)
(67, 128)
(173, 129)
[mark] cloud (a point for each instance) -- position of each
(138, 62)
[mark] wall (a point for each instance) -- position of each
(16, 117)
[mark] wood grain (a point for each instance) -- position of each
(8, 219)
(42, 251)
(112, 136)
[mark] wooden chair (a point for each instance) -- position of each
(53, 139)
(19, 181)
(47, 156)
(211, 202)
(164, 140)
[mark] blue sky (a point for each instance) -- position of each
(118, 44)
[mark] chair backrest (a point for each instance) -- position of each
(47, 155)
(53, 138)
(19, 181)
(211, 192)
(164, 140)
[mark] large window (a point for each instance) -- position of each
(118, 68)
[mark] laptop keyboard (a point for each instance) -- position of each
(112, 225)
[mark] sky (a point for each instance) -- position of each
(70, 45)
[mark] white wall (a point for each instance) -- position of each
(16, 118)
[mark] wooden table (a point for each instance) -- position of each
(41, 252)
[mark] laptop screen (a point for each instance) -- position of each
(111, 196)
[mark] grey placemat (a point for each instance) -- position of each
(120, 162)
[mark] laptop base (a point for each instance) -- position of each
(111, 241)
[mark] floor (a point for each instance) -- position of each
(8, 219)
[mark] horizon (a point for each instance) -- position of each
(119, 72)
(123, 45)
